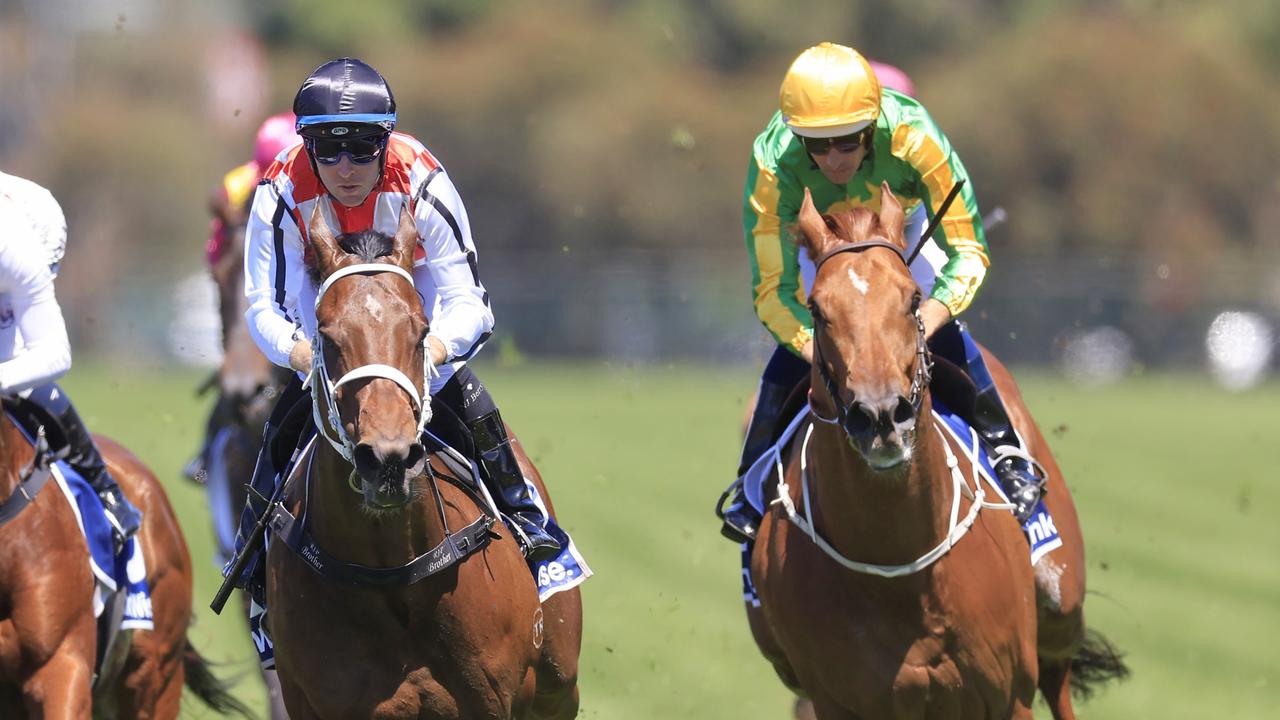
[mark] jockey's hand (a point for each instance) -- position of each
(935, 315)
(300, 357)
(437, 350)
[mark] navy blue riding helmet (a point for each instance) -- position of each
(345, 106)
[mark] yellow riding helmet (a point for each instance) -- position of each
(829, 91)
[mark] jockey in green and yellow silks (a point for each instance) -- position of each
(841, 135)
(908, 152)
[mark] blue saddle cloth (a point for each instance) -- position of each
(1042, 534)
(126, 570)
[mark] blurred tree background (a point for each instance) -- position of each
(601, 147)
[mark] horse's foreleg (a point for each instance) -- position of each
(61, 688)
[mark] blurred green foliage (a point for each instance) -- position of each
(1142, 132)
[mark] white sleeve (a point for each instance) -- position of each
(273, 274)
(464, 320)
(46, 353)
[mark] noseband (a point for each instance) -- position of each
(323, 388)
(923, 365)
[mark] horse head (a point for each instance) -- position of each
(247, 380)
(370, 368)
(870, 356)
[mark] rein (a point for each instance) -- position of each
(325, 389)
(31, 481)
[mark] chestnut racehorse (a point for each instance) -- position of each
(248, 384)
(48, 634)
(889, 587)
(397, 634)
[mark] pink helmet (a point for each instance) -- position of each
(893, 78)
(276, 134)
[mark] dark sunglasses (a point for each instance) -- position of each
(362, 151)
(844, 144)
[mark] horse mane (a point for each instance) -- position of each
(366, 245)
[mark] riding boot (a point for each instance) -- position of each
(513, 496)
(84, 457)
(741, 519)
(279, 438)
(261, 488)
(1014, 466)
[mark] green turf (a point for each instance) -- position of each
(1177, 501)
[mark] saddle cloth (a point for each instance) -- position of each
(757, 484)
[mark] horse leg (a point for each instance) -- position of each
(60, 689)
(557, 694)
(153, 676)
(1055, 686)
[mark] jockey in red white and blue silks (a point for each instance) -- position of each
(362, 173)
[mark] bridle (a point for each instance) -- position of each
(323, 388)
(856, 422)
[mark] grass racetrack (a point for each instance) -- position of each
(1172, 476)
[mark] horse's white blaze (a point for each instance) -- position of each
(859, 283)
(373, 306)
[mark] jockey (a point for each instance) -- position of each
(34, 350)
(840, 133)
(346, 116)
(229, 206)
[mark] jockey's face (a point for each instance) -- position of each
(349, 183)
(839, 166)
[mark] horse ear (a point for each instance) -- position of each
(406, 240)
(892, 217)
(323, 243)
(813, 229)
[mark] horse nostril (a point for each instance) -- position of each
(903, 412)
(860, 419)
(366, 458)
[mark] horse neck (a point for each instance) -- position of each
(342, 526)
(9, 460)
(884, 518)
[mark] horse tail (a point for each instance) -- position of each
(212, 691)
(1096, 662)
